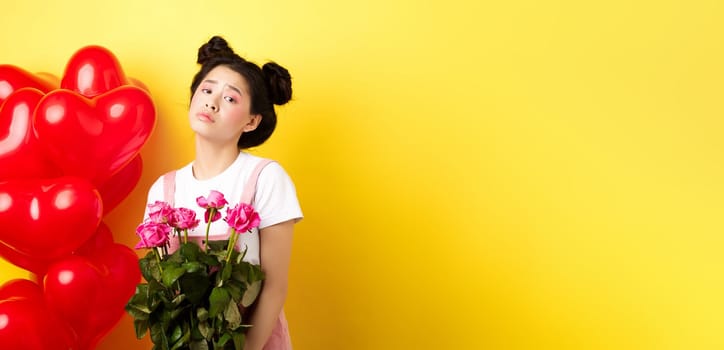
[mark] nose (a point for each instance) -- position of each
(211, 106)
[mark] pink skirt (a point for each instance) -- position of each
(279, 339)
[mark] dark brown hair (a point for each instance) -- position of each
(268, 86)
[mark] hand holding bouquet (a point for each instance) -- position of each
(194, 297)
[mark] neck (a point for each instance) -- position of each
(212, 159)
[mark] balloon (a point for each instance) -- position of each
(101, 239)
(48, 218)
(26, 322)
(92, 71)
(13, 78)
(20, 288)
(120, 275)
(90, 292)
(117, 188)
(71, 286)
(95, 138)
(21, 154)
(33, 264)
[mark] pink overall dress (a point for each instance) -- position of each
(279, 339)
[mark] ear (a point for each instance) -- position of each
(253, 123)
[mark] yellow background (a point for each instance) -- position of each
(474, 174)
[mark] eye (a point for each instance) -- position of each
(229, 99)
(206, 91)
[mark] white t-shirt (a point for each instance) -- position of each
(275, 199)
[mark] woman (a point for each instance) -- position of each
(232, 109)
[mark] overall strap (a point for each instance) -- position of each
(169, 187)
(247, 196)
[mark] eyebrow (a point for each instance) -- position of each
(230, 86)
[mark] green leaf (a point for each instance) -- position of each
(208, 259)
(149, 267)
(178, 299)
(170, 275)
(226, 272)
(141, 327)
(202, 314)
(251, 294)
(138, 312)
(232, 315)
(176, 334)
(175, 312)
(218, 300)
(236, 290)
(218, 246)
(190, 251)
(175, 258)
(181, 341)
(239, 340)
(255, 273)
(239, 274)
(199, 345)
(193, 266)
(224, 338)
(204, 330)
(195, 286)
(139, 301)
(158, 335)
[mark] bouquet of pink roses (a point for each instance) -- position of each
(194, 297)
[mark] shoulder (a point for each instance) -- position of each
(263, 167)
(271, 171)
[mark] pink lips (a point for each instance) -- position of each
(205, 117)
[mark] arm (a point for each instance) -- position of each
(276, 248)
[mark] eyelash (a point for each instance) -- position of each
(226, 98)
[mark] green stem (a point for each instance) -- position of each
(212, 212)
(158, 259)
(232, 244)
(186, 235)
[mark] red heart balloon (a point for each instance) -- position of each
(20, 288)
(13, 78)
(21, 154)
(70, 287)
(90, 292)
(26, 322)
(34, 264)
(92, 71)
(48, 218)
(95, 138)
(120, 185)
(99, 241)
(120, 275)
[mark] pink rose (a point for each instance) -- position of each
(152, 234)
(183, 218)
(214, 200)
(242, 217)
(213, 203)
(159, 212)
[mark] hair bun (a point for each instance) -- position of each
(216, 47)
(279, 83)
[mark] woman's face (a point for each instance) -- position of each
(220, 107)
